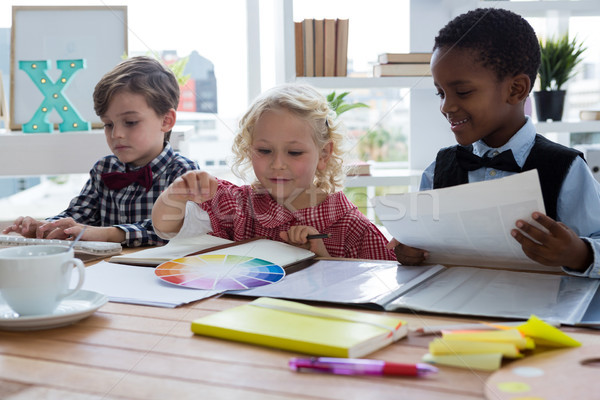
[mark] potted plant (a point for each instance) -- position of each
(559, 59)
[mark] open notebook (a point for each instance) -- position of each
(484, 292)
(174, 249)
(279, 253)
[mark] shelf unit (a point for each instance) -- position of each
(386, 177)
(557, 13)
(423, 106)
(568, 126)
(54, 153)
(424, 115)
(415, 82)
(544, 8)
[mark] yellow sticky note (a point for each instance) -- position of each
(454, 347)
(546, 335)
(483, 362)
(500, 336)
(530, 343)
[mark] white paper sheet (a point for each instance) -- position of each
(467, 224)
(138, 285)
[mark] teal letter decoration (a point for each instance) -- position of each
(54, 98)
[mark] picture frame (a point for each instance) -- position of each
(96, 34)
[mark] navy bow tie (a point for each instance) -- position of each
(119, 180)
(504, 161)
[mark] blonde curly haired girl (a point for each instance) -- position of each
(292, 142)
(305, 103)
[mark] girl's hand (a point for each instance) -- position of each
(168, 211)
(297, 235)
(196, 186)
(407, 255)
(560, 246)
(25, 226)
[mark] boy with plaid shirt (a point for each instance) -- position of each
(136, 101)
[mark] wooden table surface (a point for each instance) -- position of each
(127, 351)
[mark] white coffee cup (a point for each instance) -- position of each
(35, 279)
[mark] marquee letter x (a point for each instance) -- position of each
(54, 98)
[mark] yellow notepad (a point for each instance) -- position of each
(304, 329)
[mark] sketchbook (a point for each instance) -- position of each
(302, 328)
(174, 248)
(469, 291)
(279, 253)
(467, 224)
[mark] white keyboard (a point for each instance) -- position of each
(100, 249)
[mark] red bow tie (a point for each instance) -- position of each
(119, 180)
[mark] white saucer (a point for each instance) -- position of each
(72, 309)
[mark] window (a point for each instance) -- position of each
(379, 133)
(215, 31)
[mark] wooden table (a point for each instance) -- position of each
(137, 352)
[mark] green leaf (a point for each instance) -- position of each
(559, 58)
(347, 107)
(339, 105)
(178, 67)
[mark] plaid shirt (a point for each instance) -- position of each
(240, 212)
(129, 208)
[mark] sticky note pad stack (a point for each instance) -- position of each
(484, 350)
(302, 328)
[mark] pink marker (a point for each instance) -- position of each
(358, 366)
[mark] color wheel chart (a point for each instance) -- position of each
(219, 272)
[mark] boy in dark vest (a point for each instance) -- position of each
(484, 65)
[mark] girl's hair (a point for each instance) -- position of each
(140, 75)
(306, 103)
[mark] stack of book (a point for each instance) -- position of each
(589, 115)
(321, 47)
(358, 168)
(403, 64)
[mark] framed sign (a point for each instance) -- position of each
(96, 35)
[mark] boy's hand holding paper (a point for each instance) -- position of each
(466, 224)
